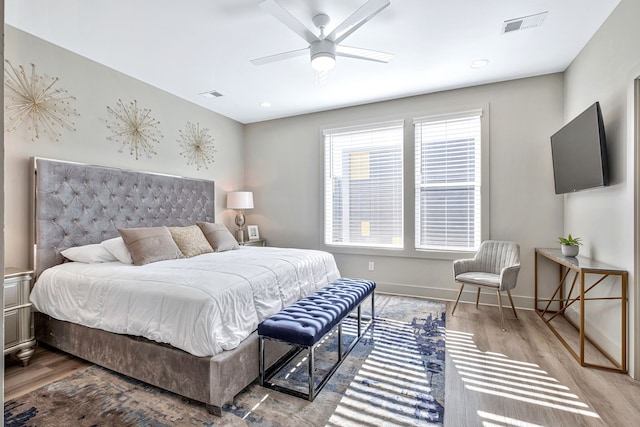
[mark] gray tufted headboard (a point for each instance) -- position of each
(77, 204)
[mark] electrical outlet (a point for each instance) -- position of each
(371, 266)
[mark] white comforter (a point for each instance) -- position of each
(203, 305)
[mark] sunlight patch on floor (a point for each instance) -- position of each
(393, 385)
(498, 375)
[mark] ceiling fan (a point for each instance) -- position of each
(324, 48)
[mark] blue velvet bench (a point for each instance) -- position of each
(304, 324)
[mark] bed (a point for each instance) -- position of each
(78, 205)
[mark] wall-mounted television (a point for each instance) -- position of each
(579, 152)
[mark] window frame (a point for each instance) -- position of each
(409, 250)
(372, 126)
(436, 119)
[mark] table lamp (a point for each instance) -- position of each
(240, 200)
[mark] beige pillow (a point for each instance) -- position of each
(219, 237)
(150, 244)
(190, 240)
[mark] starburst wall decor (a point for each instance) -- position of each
(134, 127)
(37, 103)
(197, 144)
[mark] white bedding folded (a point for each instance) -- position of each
(203, 305)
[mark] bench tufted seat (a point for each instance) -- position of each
(311, 318)
(306, 322)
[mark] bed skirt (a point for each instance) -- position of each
(214, 381)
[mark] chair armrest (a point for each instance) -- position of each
(464, 266)
(509, 277)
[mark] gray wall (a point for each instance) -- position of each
(95, 87)
(284, 169)
(605, 71)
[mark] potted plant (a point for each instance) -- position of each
(569, 245)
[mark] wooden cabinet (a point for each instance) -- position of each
(18, 318)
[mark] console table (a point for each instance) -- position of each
(581, 267)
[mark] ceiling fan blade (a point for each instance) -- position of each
(290, 21)
(280, 56)
(357, 19)
(358, 53)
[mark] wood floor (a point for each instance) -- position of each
(524, 376)
(521, 377)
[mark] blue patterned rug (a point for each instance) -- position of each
(393, 376)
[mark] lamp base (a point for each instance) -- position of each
(240, 235)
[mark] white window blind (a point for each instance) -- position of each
(364, 186)
(448, 182)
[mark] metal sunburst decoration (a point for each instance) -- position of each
(197, 144)
(35, 101)
(133, 126)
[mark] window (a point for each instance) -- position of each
(364, 186)
(448, 182)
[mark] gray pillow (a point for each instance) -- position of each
(219, 237)
(190, 240)
(150, 244)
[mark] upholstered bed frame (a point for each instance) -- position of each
(77, 204)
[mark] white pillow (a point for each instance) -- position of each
(118, 249)
(89, 254)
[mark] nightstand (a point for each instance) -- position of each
(259, 242)
(19, 335)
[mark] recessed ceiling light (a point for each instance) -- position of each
(479, 63)
(265, 104)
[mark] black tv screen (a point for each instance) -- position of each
(579, 152)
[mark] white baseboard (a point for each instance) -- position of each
(447, 294)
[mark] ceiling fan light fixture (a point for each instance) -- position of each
(323, 61)
(323, 55)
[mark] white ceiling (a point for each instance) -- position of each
(187, 47)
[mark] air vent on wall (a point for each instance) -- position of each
(211, 94)
(531, 21)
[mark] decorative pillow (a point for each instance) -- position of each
(89, 254)
(150, 244)
(118, 249)
(190, 240)
(219, 237)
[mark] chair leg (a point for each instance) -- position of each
(513, 307)
(501, 312)
(477, 298)
(457, 299)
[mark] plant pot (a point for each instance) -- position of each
(569, 250)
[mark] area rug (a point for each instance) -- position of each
(393, 376)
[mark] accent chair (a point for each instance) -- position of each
(495, 266)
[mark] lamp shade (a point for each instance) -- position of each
(240, 200)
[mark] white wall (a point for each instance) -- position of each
(2, 216)
(95, 88)
(604, 71)
(284, 169)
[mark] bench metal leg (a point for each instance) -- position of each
(373, 308)
(311, 371)
(261, 346)
(340, 341)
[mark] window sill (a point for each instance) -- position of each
(400, 253)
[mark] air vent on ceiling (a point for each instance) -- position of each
(211, 94)
(531, 21)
